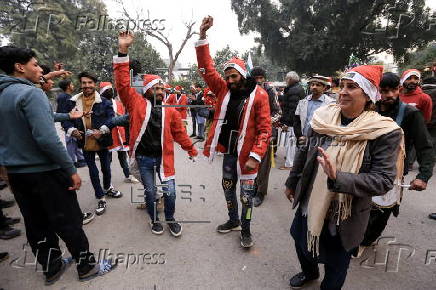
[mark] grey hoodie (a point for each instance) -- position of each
(28, 138)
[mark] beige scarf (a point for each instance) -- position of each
(347, 154)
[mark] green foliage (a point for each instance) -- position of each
(319, 36)
(222, 56)
(421, 59)
(25, 23)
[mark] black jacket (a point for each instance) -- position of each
(415, 135)
(293, 94)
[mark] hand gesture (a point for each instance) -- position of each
(205, 25)
(76, 182)
(251, 164)
(125, 40)
(327, 165)
(75, 114)
(289, 193)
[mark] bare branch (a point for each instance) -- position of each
(189, 34)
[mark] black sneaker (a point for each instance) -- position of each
(9, 221)
(100, 269)
(246, 241)
(112, 192)
(7, 233)
(101, 207)
(229, 226)
(300, 280)
(175, 228)
(50, 280)
(88, 217)
(6, 203)
(157, 228)
(193, 135)
(4, 256)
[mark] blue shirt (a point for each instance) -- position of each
(312, 105)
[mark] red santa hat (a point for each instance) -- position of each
(104, 86)
(167, 86)
(238, 64)
(408, 73)
(178, 88)
(149, 81)
(368, 78)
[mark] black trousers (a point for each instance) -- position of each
(378, 219)
(331, 253)
(51, 211)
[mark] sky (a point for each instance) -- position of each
(224, 32)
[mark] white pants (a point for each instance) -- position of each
(290, 146)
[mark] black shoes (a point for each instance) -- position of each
(193, 135)
(257, 200)
(6, 203)
(300, 280)
(246, 241)
(101, 207)
(100, 269)
(4, 256)
(51, 279)
(432, 216)
(87, 217)
(157, 228)
(229, 226)
(7, 233)
(175, 228)
(112, 192)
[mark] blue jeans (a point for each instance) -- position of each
(73, 150)
(230, 178)
(94, 173)
(122, 158)
(148, 167)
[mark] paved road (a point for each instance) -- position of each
(204, 259)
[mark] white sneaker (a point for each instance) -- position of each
(131, 179)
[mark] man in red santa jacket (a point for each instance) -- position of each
(179, 99)
(412, 94)
(241, 129)
(153, 130)
(119, 144)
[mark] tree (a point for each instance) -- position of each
(421, 59)
(275, 72)
(319, 36)
(67, 31)
(173, 55)
(222, 56)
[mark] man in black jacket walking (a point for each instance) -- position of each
(293, 93)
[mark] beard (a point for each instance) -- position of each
(411, 86)
(236, 87)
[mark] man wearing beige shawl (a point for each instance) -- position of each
(361, 155)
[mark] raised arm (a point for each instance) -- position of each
(206, 66)
(128, 95)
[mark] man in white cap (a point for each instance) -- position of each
(412, 94)
(307, 106)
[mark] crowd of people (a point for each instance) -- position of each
(349, 144)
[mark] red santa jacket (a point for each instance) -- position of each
(118, 133)
(183, 100)
(420, 100)
(255, 127)
(139, 109)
